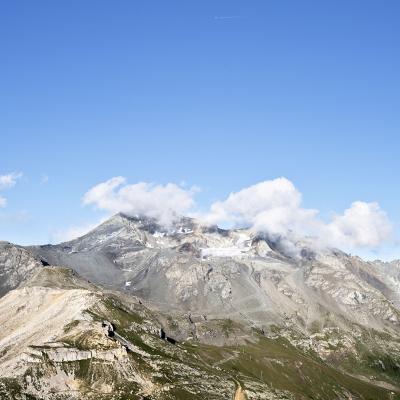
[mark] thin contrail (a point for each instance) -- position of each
(227, 17)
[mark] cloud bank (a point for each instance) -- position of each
(273, 207)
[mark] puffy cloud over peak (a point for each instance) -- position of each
(273, 207)
(163, 202)
(248, 202)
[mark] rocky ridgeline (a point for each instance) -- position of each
(16, 265)
(68, 354)
(135, 310)
(234, 274)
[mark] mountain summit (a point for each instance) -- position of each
(204, 270)
(246, 316)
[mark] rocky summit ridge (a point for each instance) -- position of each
(134, 310)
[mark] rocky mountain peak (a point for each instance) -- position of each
(203, 283)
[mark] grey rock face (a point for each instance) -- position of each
(16, 265)
(231, 274)
(204, 287)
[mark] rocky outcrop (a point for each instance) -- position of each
(70, 354)
(69, 339)
(16, 266)
(234, 274)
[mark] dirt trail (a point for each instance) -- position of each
(240, 393)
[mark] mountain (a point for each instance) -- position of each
(16, 265)
(58, 342)
(234, 274)
(134, 310)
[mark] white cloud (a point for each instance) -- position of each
(274, 207)
(361, 225)
(163, 202)
(9, 180)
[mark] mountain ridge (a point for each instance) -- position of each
(193, 257)
(212, 291)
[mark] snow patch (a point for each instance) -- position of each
(159, 234)
(222, 252)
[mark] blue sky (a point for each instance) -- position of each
(218, 94)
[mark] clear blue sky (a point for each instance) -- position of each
(220, 94)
